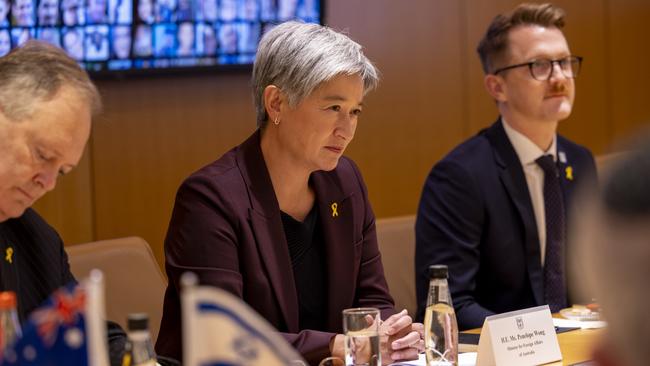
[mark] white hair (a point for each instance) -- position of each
(34, 73)
(297, 57)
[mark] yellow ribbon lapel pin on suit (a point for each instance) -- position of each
(9, 255)
(569, 172)
(334, 207)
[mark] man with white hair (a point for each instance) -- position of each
(46, 105)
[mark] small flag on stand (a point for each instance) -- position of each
(220, 329)
(69, 329)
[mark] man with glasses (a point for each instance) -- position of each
(494, 209)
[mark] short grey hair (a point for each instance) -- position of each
(34, 73)
(297, 57)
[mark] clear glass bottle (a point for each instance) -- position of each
(10, 330)
(139, 348)
(440, 326)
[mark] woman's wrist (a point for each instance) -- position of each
(337, 346)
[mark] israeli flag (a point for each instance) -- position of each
(220, 329)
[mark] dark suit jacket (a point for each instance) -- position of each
(476, 216)
(226, 227)
(37, 266)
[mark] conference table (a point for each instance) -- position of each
(575, 345)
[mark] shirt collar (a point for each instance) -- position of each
(526, 150)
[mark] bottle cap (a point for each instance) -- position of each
(138, 321)
(7, 300)
(438, 271)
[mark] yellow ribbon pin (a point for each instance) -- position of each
(569, 173)
(9, 255)
(334, 207)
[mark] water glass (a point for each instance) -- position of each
(331, 361)
(361, 330)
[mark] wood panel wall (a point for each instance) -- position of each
(157, 130)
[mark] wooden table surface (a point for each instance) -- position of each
(575, 345)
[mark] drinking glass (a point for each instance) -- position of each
(331, 361)
(361, 330)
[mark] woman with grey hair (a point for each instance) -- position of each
(283, 220)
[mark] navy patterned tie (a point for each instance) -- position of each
(554, 281)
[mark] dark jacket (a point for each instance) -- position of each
(476, 216)
(37, 266)
(226, 227)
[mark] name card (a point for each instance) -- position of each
(522, 337)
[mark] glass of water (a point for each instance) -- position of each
(331, 361)
(361, 329)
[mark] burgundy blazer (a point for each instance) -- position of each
(226, 227)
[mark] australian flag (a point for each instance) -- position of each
(64, 330)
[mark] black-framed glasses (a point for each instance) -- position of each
(542, 69)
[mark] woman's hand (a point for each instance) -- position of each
(400, 338)
(337, 346)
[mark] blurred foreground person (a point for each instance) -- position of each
(615, 250)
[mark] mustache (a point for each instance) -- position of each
(558, 88)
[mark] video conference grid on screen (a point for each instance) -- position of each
(105, 35)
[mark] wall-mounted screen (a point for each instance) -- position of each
(108, 36)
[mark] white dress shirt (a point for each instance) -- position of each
(528, 152)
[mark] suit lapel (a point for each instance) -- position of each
(266, 224)
(337, 222)
(513, 178)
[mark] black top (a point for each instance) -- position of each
(306, 249)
